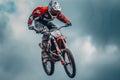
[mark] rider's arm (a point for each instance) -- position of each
(30, 20)
(37, 13)
(62, 18)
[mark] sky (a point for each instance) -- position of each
(93, 38)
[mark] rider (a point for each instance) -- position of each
(42, 17)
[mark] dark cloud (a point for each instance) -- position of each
(108, 72)
(101, 20)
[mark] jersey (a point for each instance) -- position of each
(42, 15)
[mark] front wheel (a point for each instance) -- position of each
(48, 65)
(69, 67)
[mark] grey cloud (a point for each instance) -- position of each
(20, 59)
(3, 25)
(12, 63)
(8, 6)
(102, 67)
(100, 19)
(107, 70)
(5, 9)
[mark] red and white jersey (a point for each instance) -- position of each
(42, 13)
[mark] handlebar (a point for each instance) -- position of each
(47, 32)
(62, 27)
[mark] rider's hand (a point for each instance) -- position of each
(30, 27)
(68, 24)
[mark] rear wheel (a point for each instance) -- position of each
(69, 67)
(48, 65)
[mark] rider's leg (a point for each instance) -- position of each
(44, 43)
(43, 46)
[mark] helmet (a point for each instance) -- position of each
(54, 7)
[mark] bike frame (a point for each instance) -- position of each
(58, 46)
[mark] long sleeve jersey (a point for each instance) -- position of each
(42, 15)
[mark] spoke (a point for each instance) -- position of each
(69, 67)
(49, 66)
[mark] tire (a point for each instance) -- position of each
(48, 65)
(67, 54)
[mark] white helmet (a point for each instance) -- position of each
(54, 5)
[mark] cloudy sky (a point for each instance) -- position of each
(94, 39)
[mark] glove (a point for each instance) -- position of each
(68, 24)
(30, 27)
